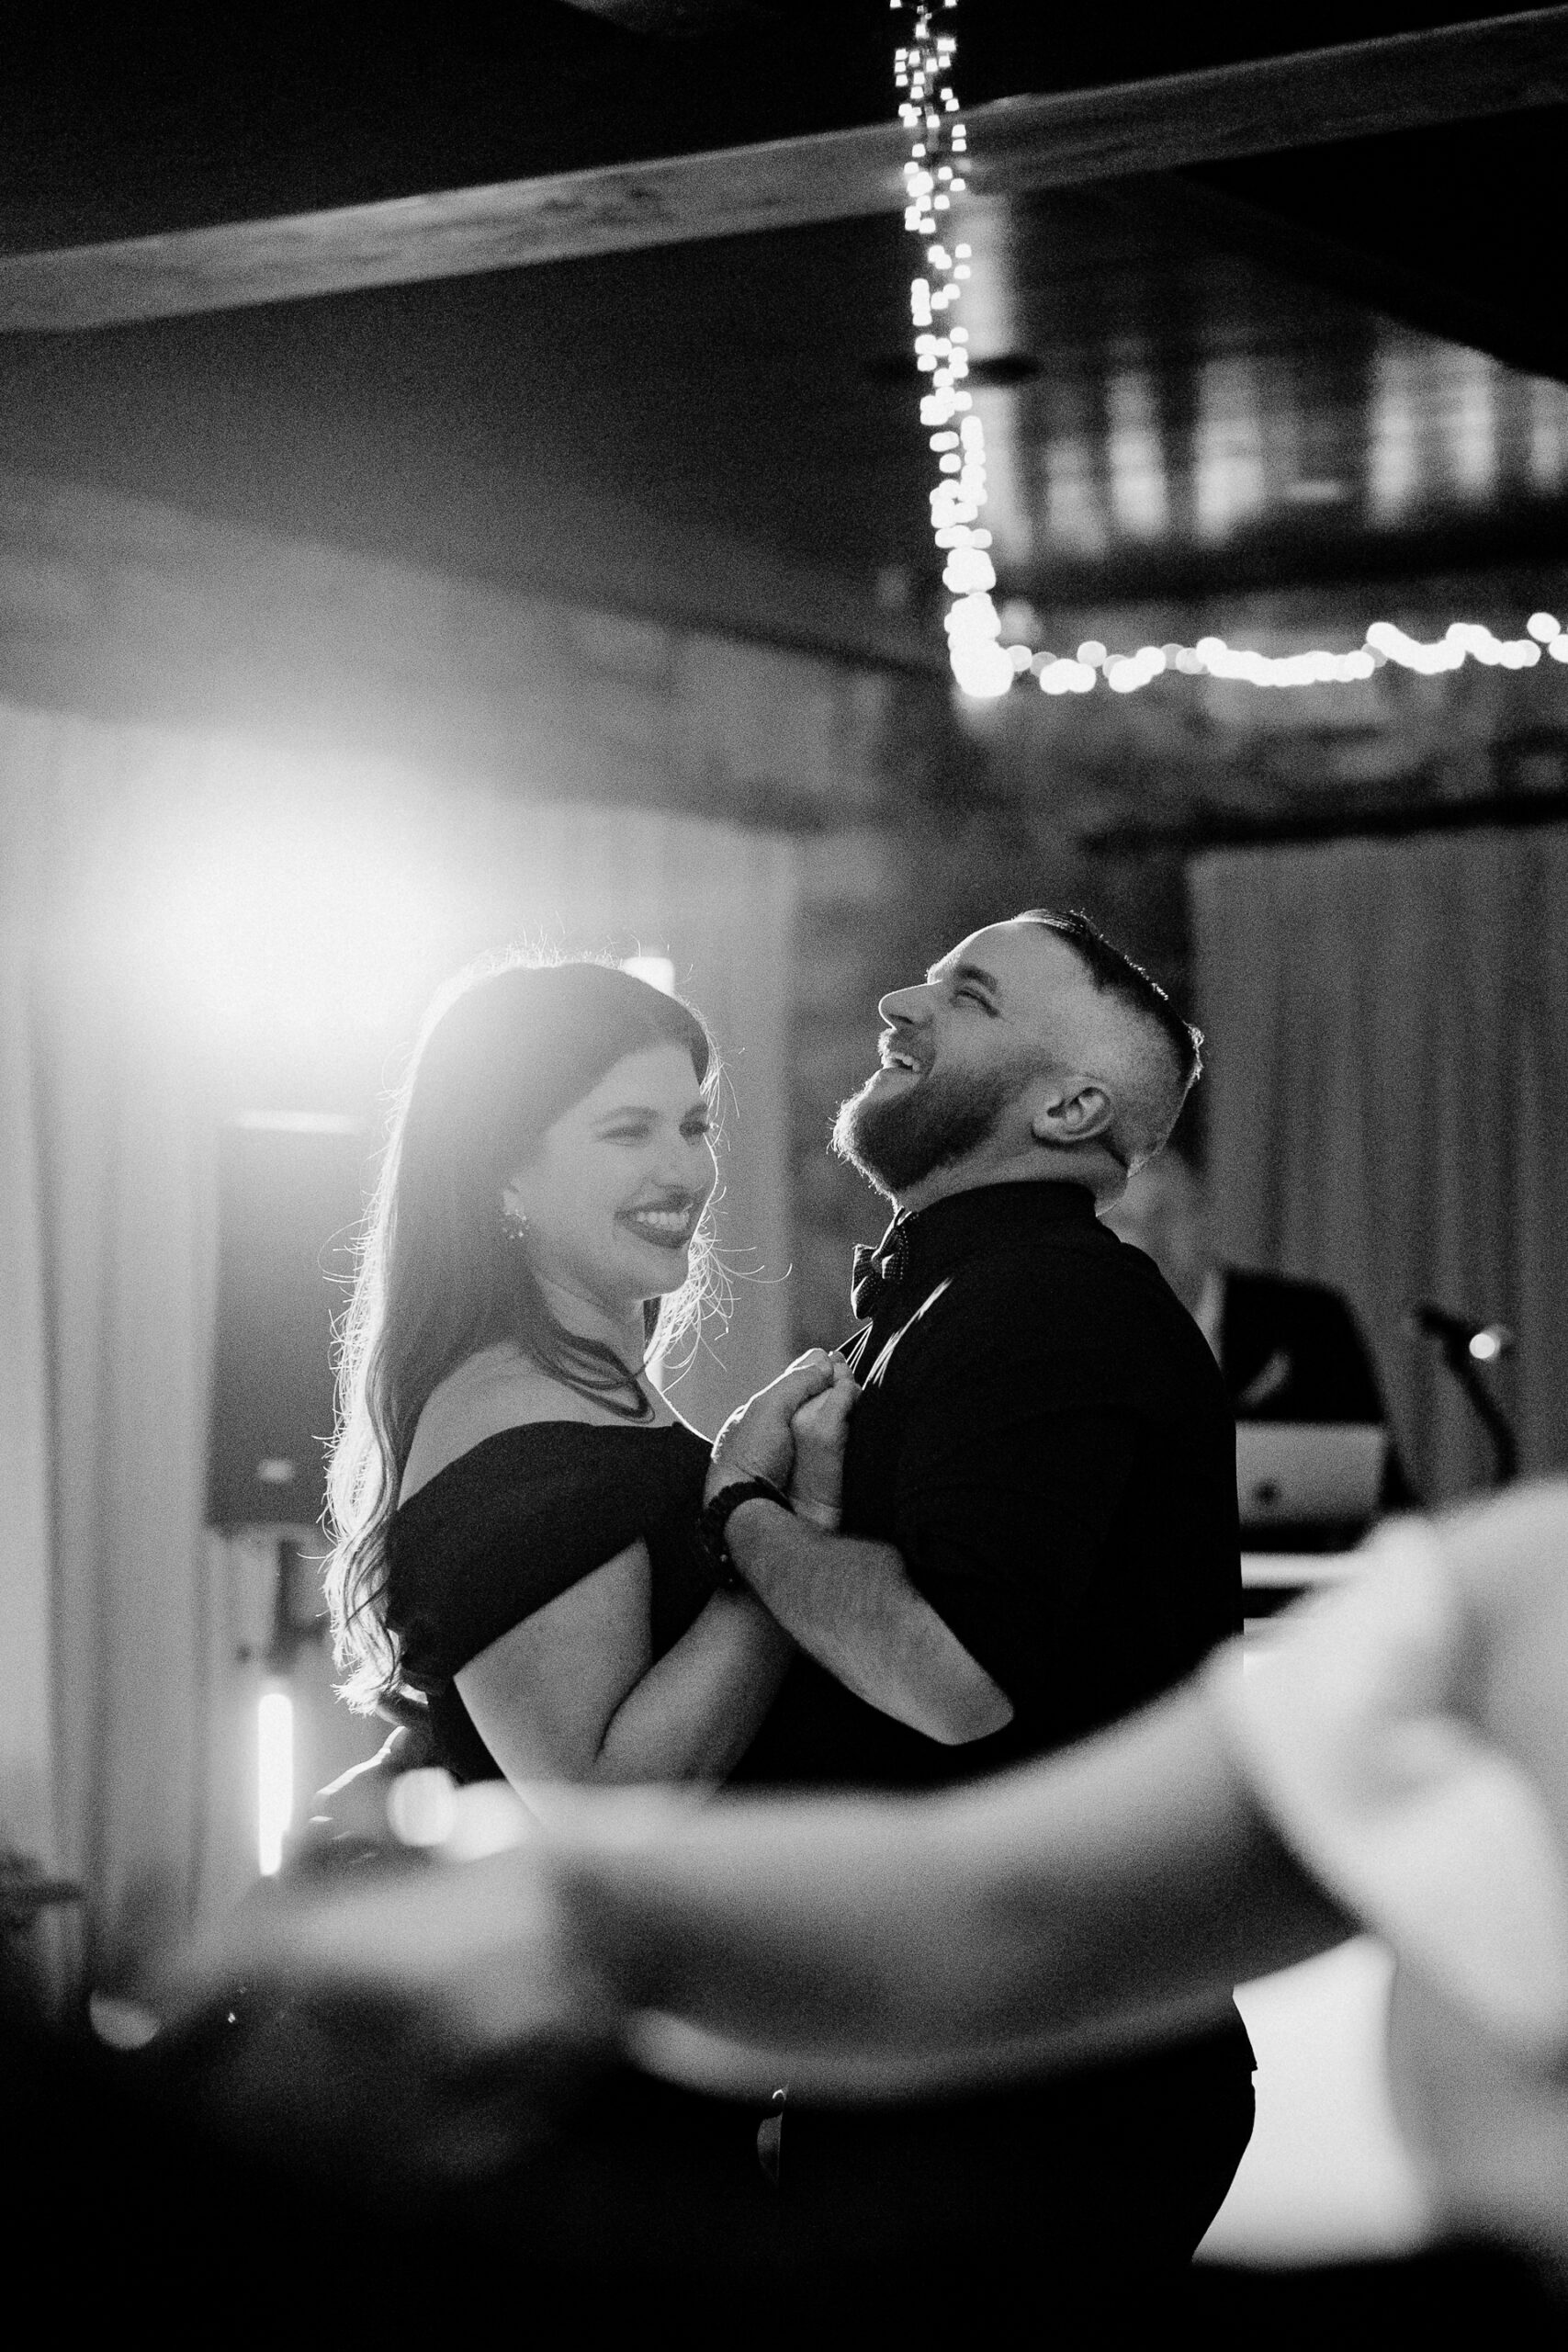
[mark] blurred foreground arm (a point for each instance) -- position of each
(1398, 1749)
(855, 1948)
(1093, 1904)
(1108, 1899)
(1110, 1894)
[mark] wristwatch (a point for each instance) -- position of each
(710, 1540)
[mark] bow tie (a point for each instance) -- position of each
(879, 1270)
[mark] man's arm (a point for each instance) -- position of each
(849, 1604)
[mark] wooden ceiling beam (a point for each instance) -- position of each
(1018, 146)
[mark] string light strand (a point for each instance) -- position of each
(932, 177)
(981, 663)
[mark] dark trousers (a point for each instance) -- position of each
(648, 2209)
(1100, 2183)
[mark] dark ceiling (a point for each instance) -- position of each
(1316, 366)
(116, 124)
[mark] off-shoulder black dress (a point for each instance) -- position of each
(511, 1525)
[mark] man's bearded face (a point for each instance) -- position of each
(899, 1128)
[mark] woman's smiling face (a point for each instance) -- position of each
(614, 1193)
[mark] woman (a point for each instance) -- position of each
(515, 1501)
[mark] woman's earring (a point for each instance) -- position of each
(516, 1226)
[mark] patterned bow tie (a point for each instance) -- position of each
(879, 1270)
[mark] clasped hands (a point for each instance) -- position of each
(793, 1433)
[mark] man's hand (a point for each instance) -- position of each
(821, 1433)
(758, 1442)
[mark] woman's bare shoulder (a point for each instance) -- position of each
(501, 1389)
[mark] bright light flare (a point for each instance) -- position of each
(275, 1778)
(305, 912)
(659, 971)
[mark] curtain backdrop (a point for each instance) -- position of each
(191, 927)
(1388, 1102)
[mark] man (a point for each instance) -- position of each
(1040, 1472)
(1288, 1351)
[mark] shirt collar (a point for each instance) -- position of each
(921, 1245)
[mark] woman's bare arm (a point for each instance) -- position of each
(574, 1693)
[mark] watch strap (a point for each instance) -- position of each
(712, 1541)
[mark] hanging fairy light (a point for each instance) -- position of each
(1060, 674)
(932, 177)
(981, 663)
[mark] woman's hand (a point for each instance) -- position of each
(758, 1441)
(821, 1429)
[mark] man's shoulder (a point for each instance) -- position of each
(1087, 1302)
(1087, 1264)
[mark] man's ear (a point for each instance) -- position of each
(1076, 1110)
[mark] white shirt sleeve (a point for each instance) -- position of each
(1348, 1727)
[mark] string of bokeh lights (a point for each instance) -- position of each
(982, 666)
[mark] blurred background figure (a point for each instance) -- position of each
(1288, 1351)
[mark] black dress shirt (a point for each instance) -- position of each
(1043, 1435)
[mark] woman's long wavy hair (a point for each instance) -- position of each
(506, 1048)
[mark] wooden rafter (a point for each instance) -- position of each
(1018, 146)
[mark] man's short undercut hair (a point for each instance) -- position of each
(1116, 975)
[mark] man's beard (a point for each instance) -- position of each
(898, 1136)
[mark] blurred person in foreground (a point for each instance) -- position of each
(1399, 1759)
(1287, 1350)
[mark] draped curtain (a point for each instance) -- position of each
(1388, 1103)
(190, 926)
